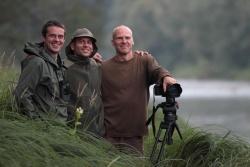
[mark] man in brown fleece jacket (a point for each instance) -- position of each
(126, 78)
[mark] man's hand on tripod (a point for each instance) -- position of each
(168, 81)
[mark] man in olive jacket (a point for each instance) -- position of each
(84, 77)
(39, 92)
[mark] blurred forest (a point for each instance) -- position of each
(191, 38)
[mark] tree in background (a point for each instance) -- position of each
(199, 38)
(194, 38)
(21, 20)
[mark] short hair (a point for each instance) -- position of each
(118, 27)
(49, 24)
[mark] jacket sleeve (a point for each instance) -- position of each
(28, 81)
(154, 70)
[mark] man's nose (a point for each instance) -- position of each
(124, 40)
(57, 38)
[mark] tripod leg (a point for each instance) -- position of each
(178, 130)
(162, 145)
(156, 142)
(170, 133)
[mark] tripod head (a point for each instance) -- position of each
(169, 106)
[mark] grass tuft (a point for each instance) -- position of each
(29, 143)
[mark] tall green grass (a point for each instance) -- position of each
(8, 78)
(34, 143)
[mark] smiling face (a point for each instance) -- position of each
(123, 40)
(54, 39)
(82, 46)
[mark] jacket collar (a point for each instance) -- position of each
(78, 59)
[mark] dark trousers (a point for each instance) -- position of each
(133, 144)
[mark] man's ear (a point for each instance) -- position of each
(72, 46)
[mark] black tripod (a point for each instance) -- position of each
(168, 124)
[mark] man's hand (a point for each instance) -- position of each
(98, 58)
(141, 53)
(168, 81)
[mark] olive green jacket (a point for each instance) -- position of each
(84, 78)
(39, 90)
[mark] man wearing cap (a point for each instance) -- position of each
(40, 89)
(84, 78)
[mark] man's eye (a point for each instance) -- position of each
(52, 36)
(56, 36)
(60, 36)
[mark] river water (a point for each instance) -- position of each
(215, 103)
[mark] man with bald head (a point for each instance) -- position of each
(126, 78)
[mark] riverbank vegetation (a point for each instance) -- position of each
(25, 143)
